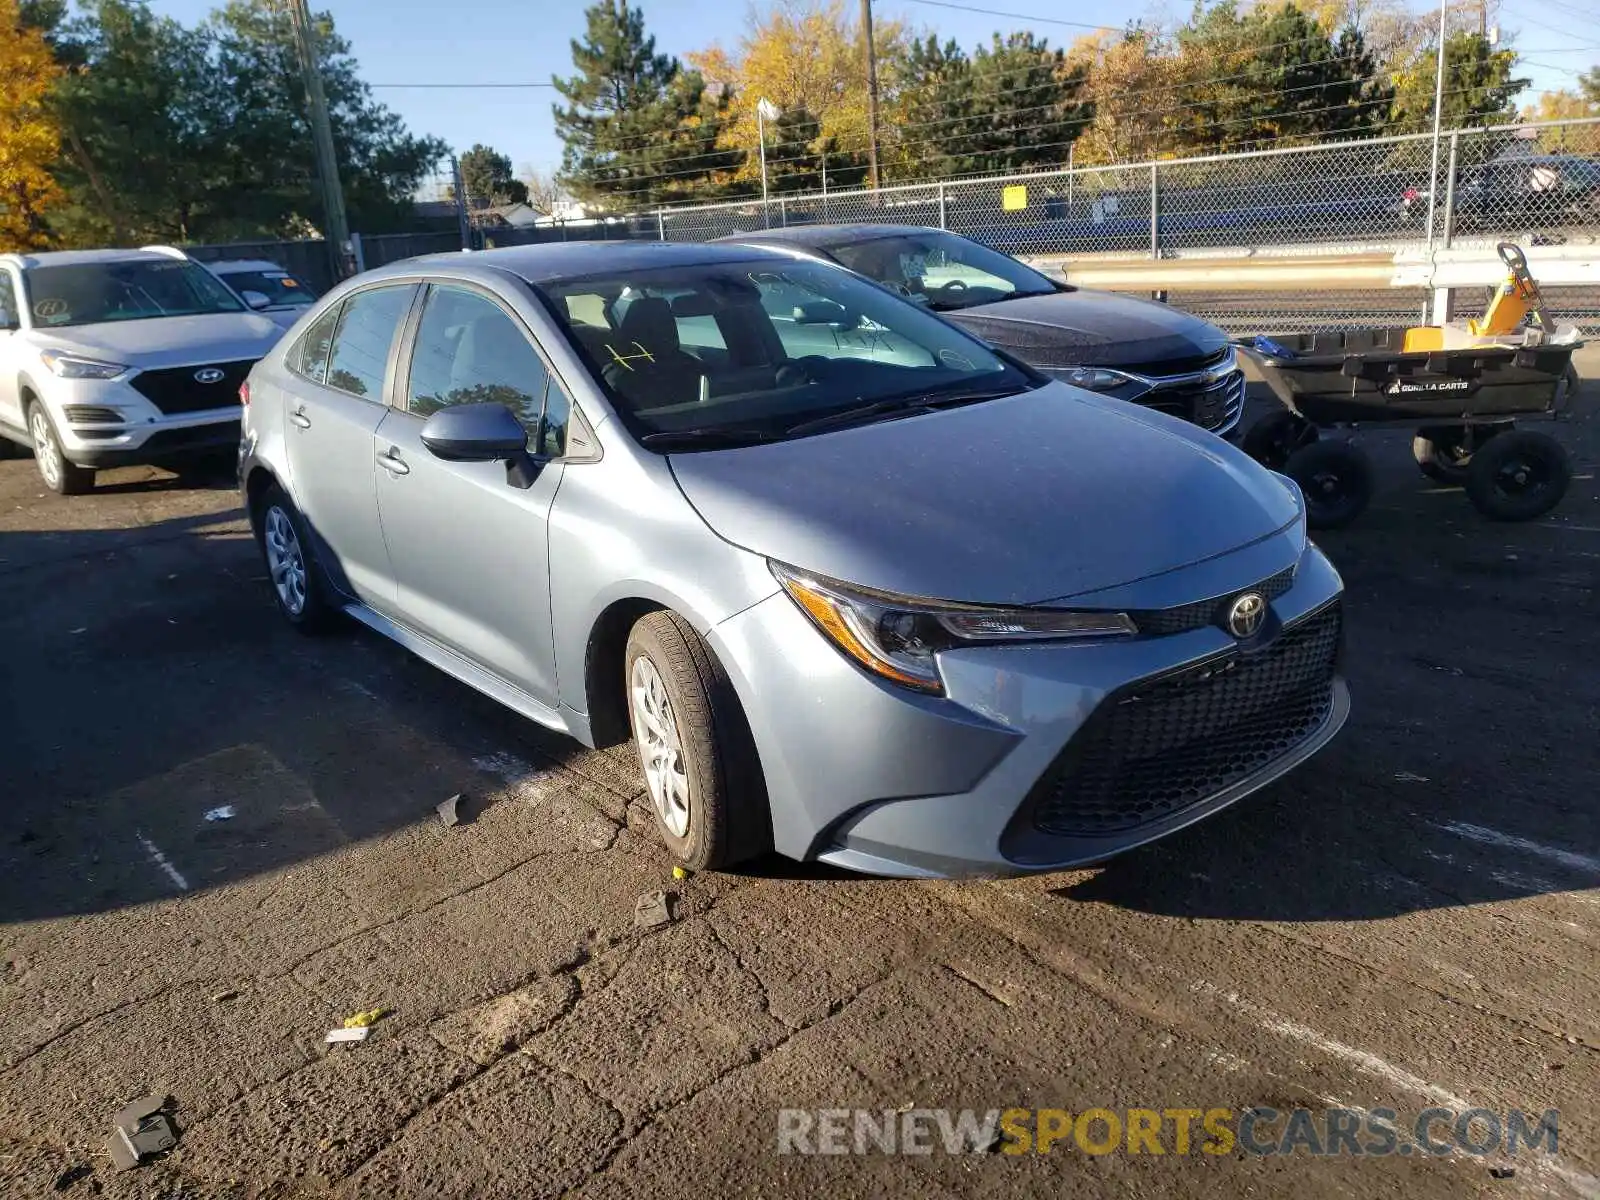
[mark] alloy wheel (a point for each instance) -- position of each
(655, 729)
(285, 560)
(45, 450)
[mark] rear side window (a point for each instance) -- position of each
(468, 350)
(310, 356)
(9, 318)
(367, 326)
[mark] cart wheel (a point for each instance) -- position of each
(1336, 478)
(1274, 437)
(1518, 476)
(1443, 451)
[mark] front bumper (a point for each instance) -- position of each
(872, 777)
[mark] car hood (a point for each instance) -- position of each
(1036, 497)
(167, 341)
(1070, 329)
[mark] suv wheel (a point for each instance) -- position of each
(699, 763)
(295, 585)
(60, 476)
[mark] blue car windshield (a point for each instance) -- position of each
(762, 346)
(941, 270)
(137, 289)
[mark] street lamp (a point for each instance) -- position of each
(766, 111)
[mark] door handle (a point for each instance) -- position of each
(298, 416)
(393, 463)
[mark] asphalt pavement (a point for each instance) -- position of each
(1409, 921)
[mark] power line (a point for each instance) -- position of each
(461, 85)
(1015, 16)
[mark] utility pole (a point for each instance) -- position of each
(337, 229)
(872, 95)
(1438, 119)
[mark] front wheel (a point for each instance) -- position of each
(1336, 479)
(1518, 476)
(1274, 437)
(59, 475)
(694, 746)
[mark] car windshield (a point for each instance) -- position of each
(942, 270)
(719, 352)
(279, 287)
(88, 293)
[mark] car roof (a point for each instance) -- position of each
(555, 261)
(77, 258)
(827, 235)
(229, 265)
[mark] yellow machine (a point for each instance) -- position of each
(1508, 308)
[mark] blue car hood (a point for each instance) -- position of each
(1037, 497)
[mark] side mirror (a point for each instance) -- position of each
(824, 312)
(483, 432)
(255, 299)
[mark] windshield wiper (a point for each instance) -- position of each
(902, 405)
(704, 439)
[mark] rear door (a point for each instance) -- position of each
(343, 366)
(470, 549)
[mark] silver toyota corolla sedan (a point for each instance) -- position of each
(859, 588)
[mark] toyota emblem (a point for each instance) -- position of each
(209, 375)
(1246, 614)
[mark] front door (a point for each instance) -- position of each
(469, 548)
(333, 412)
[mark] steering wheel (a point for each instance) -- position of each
(798, 372)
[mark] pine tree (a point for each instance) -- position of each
(639, 128)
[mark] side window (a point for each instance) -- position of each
(468, 350)
(367, 325)
(9, 313)
(310, 356)
(552, 440)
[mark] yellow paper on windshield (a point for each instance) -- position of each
(1014, 197)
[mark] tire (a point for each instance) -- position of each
(297, 586)
(1336, 479)
(1518, 476)
(1443, 452)
(706, 793)
(60, 476)
(1274, 437)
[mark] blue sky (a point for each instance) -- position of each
(514, 41)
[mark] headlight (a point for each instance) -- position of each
(1096, 379)
(897, 637)
(71, 366)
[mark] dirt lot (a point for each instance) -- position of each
(1410, 921)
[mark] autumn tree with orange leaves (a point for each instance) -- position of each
(29, 139)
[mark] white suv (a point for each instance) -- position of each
(114, 357)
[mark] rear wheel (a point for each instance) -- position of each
(296, 587)
(700, 768)
(1518, 476)
(1274, 437)
(59, 475)
(1336, 479)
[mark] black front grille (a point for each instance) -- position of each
(1165, 745)
(1209, 405)
(1179, 366)
(1159, 622)
(176, 390)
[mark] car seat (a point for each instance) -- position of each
(648, 368)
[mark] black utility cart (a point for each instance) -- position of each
(1462, 386)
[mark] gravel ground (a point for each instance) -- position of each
(1411, 920)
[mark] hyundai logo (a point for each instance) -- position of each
(1246, 614)
(209, 375)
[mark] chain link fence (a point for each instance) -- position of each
(1525, 180)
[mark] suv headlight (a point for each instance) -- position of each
(1096, 379)
(73, 366)
(897, 637)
